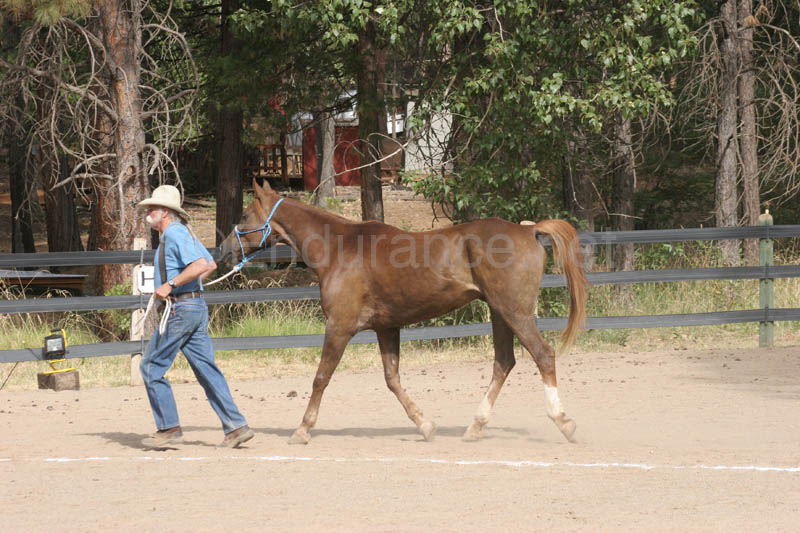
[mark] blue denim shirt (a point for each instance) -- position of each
(181, 250)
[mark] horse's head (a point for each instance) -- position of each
(252, 226)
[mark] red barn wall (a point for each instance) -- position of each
(345, 156)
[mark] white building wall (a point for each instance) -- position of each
(425, 150)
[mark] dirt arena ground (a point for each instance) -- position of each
(667, 441)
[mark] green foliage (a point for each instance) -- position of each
(334, 205)
(46, 12)
(474, 312)
(118, 320)
(659, 256)
(339, 21)
(554, 302)
(247, 199)
(482, 191)
(517, 77)
(283, 59)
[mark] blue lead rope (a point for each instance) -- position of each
(266, 229)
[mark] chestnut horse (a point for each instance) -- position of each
(375, 276)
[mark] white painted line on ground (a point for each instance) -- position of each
(485, 462)
(756, 468)
(75, 459)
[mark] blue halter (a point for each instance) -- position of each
(266, 229)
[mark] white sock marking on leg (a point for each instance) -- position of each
(553, 402)
(482, 416)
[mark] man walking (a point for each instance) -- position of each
(181, 263)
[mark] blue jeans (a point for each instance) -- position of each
(186, 331)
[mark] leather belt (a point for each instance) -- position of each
(186, 295)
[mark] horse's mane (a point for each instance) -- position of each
(318, 211)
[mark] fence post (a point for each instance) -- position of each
(137, 327)
(766, 296)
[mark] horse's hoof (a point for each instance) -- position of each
(567, 427)
(300, 436)
(473, 433)
(428, 430)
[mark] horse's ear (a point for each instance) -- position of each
(260, 193)
(266, 187)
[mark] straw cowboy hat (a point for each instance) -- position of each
(165, 196)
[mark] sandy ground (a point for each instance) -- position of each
(671, 440)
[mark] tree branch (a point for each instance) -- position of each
(85, 93)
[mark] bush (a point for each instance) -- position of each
(117, 322)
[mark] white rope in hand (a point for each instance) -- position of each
(210, 283)
(162, 325)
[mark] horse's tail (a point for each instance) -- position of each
(567, 252)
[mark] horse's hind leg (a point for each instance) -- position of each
(332, 350)
(545, 358)
(504, 361)
(389, 342)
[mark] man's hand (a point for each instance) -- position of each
(163, 291)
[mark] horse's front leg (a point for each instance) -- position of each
(389, 342)
(336, 340)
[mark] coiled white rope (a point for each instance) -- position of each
(162, 324)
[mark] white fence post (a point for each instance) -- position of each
(137, 326)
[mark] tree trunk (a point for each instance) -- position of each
(319, 146)
(578, 190)
(284, 160)
(371, 82)
(63, 232)
(326, 132)
(21, 194)
(577, 184)
(229, 144)
(229, 172)
(118, 222)
(622, 201)
(725, 194)
(104, 136)
(748, 142)
(76, 243)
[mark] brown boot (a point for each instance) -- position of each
(163, 438)
(237, 437)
